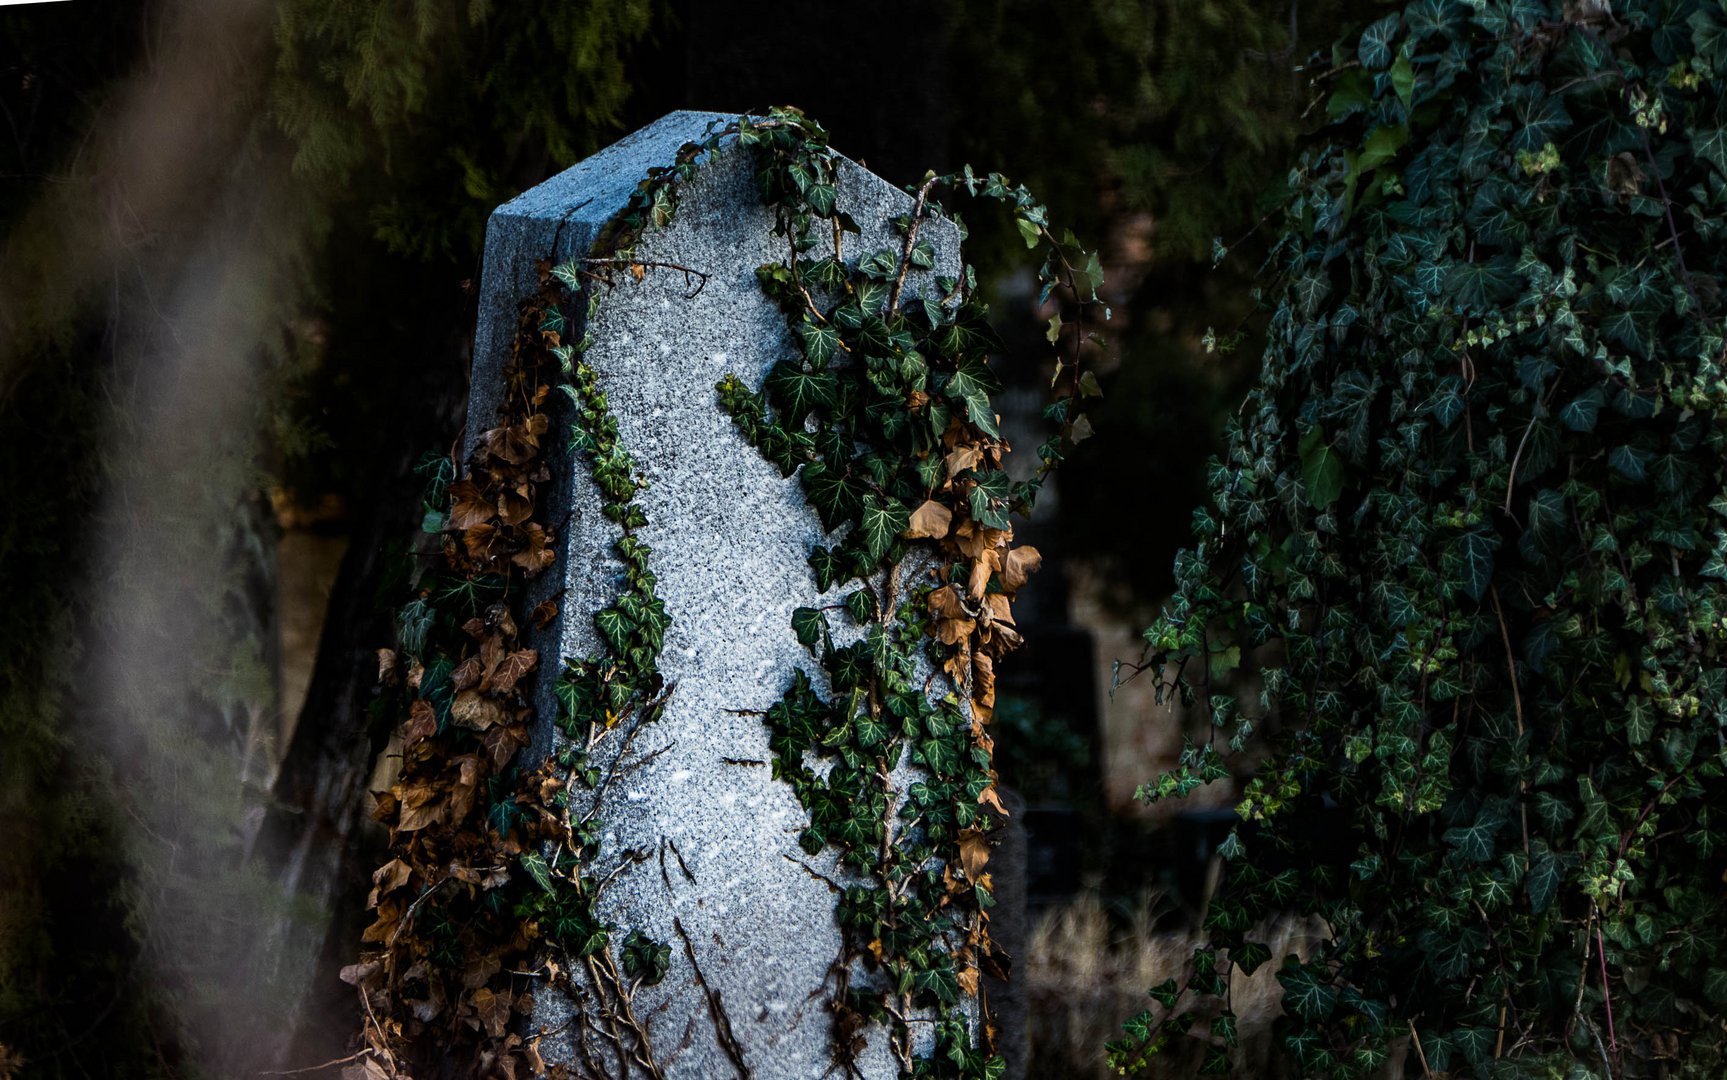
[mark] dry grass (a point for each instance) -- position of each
(1086, 973)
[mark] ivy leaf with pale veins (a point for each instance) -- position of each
(1478, 286)
(796, 392)
(811, 627)
(1303, 992)
(882, 520)
(615, 627)
(1474, 551)
(831, 492)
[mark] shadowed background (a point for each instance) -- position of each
(240, 242)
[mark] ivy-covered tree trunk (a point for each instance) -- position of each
(1476, 512)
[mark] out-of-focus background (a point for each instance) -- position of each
(240, 246)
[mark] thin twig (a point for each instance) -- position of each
(1420, 1054)
(910, 242)
(817, 874)
(1516, 704)
(1582, 977)
(716, 1007)
(1511, 481)
(314, 1068)
(1606, 991)
(649, 264)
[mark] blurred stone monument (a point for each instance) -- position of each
(700, 842)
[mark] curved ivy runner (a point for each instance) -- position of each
(886, 418)
(1477, 507)
(887, 413)
(490, 865)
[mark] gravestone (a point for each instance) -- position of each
(700, 841)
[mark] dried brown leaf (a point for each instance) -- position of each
(472, 709)
(543, 614)
(1020, 564)
(502, 742)
(498, 615)
(422, 722)
(946, 603)
(467, 674)
(981, 569)
(954, 631)
(479, 540)
(960, 459)
(466, 786)
(493, 1010)
(512, 668)
(417, 817)
(990, 797)
(516, 506)
(469, 506)
(930, 521)
(364, 975)
(387, 879)
(538, 554)
(983, 680)
(975, 539)
(509, 443)
(389, 915)
(973, 853)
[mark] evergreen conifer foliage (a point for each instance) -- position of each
(1473, 518)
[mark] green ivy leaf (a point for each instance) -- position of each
(1475, 841)
(1403, 80)
(811, 627)
(861, 605)
(615, 627)
(535, 864)
(1475, 550)
(1321, 469)
(1303, 992)
(1249, 955)
(1375, 49)
(1545, 874)
(796, 392)
(821, 341)
(1381, 146)
(831, 492)
(882, 520)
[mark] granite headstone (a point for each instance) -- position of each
(700, 841)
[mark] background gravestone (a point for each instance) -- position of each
(702, 839)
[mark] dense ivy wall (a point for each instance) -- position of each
(1473, 517)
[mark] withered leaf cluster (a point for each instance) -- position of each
(441, 975)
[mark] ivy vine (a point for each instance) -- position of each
(496, 871)
(885, 416)
(1472, 529)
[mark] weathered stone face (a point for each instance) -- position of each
(702, 839)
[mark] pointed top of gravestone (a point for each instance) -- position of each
(595, 188)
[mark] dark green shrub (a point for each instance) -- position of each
(1473, 517)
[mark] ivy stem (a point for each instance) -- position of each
(1420, 1054)
(1606, 991)
(1517, 707)
(910, 241)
